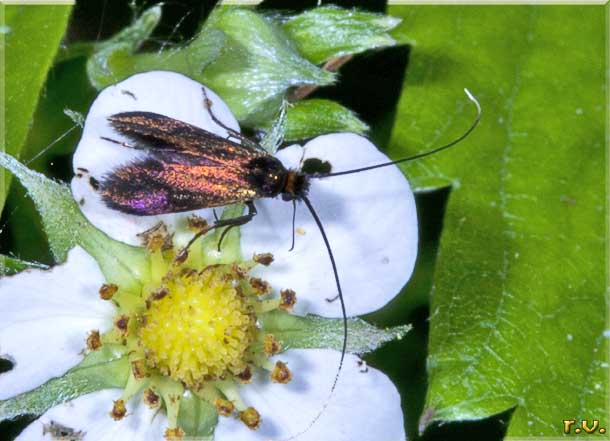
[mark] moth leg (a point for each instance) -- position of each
(236, 221)
(223, 235)
(235, 134)
(230, 223)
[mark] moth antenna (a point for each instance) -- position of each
(474, 124)
(294, 217)
(343, 311)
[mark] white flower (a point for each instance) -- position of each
(369, 217)
(371, 224)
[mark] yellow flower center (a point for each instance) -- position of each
(198, 326)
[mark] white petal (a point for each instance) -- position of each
(365, 406)
(90, 414)
(167, 93)
(44, 320)
(370, 221)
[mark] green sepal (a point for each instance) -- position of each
(116, 59)
(197, 417)
(102, 369)
(328, 32)
(309, 118)
(11, 265)
(256, 66)
(66, 227)
(314, 332)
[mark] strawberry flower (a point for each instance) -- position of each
(122, 341)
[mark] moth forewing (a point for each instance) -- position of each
(186, 168)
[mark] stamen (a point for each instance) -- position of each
(94, 340)
(264, 259)
(157, 238)
(245, 376)
(107, 290)
(151, 399)
(197, 223)
(174, 434)
(230, 391)
(259, 286)
(156, 295)
(224, 407)
(171, 391)
(122, 324)
(271, 346)
(118, 410)
(251, 418)
(289, 299)
(139, 370)
(281, 374)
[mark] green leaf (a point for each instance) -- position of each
(309, 118)
(295, 332)
(257, 65)
(31, 38)
(328, 32)
(519, 266)
(66, 227)
(197, 417)
(238, 53)
(102, 369)
(116, 59)
(11, 265)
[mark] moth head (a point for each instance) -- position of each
(268, 175)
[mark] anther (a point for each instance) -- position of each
(94, 340)
(289, 299)
(156, 295)
(139, 370)
(118, 410)
(174, 434)
(271, 346)
(157, 238)
(238, 272)
(151, 399)
(264, 259)
(251, 418)
(197, 223)
(122, 323)
(245, 376)
(224, 407)
(281, 374)
(107, 290)
(259, 286)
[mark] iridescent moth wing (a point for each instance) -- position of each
(186, 168)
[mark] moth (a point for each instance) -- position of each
(187, 168)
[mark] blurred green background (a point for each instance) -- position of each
(521, 206)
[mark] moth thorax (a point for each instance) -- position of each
(201, 329)
(297, 185)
